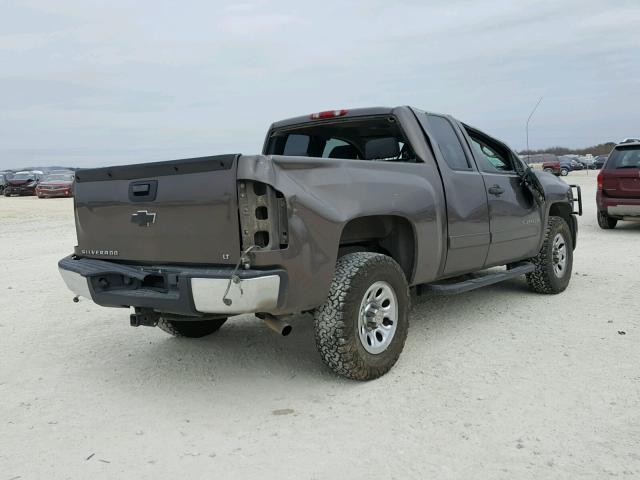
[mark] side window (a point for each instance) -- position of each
(446, 138)
(296, 145)
(491, 158)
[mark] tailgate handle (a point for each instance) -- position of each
(143, 191)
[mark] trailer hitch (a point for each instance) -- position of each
(144, 317)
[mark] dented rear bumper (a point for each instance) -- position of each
(173, 289)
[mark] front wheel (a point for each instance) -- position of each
(190, 328)
(606, 222)
(554, 262)
(361, 329)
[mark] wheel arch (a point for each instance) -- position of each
(564, 211)
(393, 235)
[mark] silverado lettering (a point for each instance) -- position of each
(111, 253)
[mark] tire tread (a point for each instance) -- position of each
(542, 279)
(338, 350)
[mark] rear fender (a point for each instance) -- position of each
(323, 195)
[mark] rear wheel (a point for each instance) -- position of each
(548, 170)
(361, 329)
(554, 262)
(606, 222)
(190, 328)
(564, 172)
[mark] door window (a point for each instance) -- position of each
(491, 157)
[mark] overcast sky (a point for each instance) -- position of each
(87, 83)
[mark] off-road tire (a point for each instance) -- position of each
(543, 279)
(336, 321)
(606, 222)
(190, 328)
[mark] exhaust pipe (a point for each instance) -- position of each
(277, 325)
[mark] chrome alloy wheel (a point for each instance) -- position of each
(559, 255)
(378, 317)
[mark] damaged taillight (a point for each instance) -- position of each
(263, 216)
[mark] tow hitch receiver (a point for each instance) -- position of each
(144, 317)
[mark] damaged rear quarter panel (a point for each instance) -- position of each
(324, 194)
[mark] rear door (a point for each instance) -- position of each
(515, 218)
(467, 209)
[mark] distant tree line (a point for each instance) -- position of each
(600, 149)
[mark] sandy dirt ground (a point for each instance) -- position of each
(499, 383)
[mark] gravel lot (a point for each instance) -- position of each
(496, 383)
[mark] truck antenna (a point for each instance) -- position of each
(527, 127)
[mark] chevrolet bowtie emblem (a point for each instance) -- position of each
(143, 218)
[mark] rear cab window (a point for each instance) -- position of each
(296, 145)
(377, 137)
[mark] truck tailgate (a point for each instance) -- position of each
(175, 212)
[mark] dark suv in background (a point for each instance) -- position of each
(599, 161)
(618, 196)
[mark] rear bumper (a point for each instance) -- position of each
(624, 210)
(178, 290)
(618, 207)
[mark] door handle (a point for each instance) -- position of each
(143, 191)
(496, 190)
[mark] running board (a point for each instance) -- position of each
(482, 280)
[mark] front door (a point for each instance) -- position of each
(514, 216)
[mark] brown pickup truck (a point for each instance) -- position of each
(342, 213)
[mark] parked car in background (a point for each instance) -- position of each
(3, 180)
(587, 162)
(618, 195)
(538, 158)
(572, 162)
(598, 163)
(22, 183)
(559, 167)
(56, 185)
